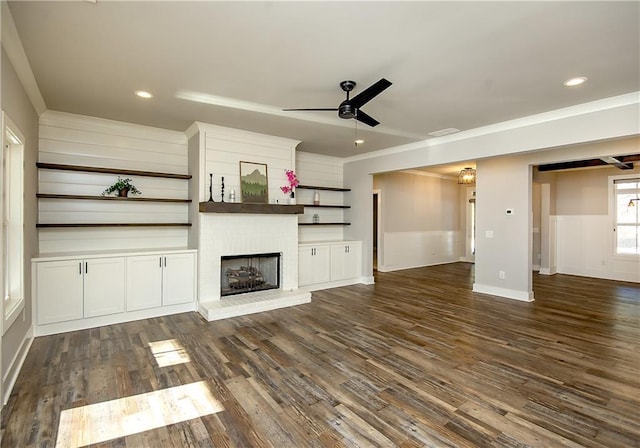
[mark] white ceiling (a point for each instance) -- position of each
(452, 64)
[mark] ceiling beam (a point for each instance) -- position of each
(622, 162)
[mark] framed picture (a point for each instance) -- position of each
(254, 185)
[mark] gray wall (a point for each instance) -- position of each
(414, 202)
(17, 106)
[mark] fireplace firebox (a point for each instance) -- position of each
(241, 274)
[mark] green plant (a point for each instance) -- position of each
(120, 185)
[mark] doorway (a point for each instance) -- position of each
(376, 227)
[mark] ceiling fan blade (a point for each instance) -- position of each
(366, 119)
(369, 93)
(332, 109)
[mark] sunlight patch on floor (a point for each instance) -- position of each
(109, 420)
(169, 352)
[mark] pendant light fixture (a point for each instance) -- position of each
(467, 176)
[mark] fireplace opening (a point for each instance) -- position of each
(240, 274)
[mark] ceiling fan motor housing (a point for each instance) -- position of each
(346, 110)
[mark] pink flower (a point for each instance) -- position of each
(293, 182)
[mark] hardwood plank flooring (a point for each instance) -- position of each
(415, 360)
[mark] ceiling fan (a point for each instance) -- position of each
(350, 108)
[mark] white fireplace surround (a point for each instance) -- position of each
(226, 234)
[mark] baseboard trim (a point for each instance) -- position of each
(402, 268)
(10, 378)
(368, 280)
(547, 271)
(93, 322)
(524, 296)
(336, 284)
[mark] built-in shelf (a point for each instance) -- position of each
(121, 224)
(107, 198)
(324, 224)
(93, 169)
(242, 207)
(326, 206)
(311, 187)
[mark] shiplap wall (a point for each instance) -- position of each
(88, 141)
(323, 171)
(225, 148)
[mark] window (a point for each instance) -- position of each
(12, 223)
(627, 216)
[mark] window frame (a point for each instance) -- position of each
(12, 307)
(612, 200)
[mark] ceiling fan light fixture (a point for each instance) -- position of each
(572, 82)
(467, 176)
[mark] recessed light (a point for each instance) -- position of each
(143, 94)
(359, 142)
(575, 81)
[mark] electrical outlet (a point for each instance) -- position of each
(501, 274)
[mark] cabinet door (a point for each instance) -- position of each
(59, 291)
(346, 260)
(313, 265)
(104, 286)
(353, 261)
(178, 280)
(322, 264)
(338, 259)
(305, 266)
(144, 282)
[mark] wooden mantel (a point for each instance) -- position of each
(241, 207)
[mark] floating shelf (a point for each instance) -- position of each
(310, 187)
(93, 169)
(133, 224)
(326, 206)
(107, 198)
(324, 224)
(242, 207)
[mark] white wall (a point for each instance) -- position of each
(225, 148)
(321, 171)
(88, 141)
(601, 120)
(420, 219)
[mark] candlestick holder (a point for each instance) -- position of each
(211, 187)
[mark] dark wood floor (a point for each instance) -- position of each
(414, 360)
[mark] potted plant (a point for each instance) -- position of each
(293, 183)
(123, 187)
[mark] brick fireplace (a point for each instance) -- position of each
(237, 234)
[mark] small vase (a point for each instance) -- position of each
(124, 193)
(316, 198)
(292, 198)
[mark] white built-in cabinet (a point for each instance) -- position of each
(158, 280)
(72, 293)
(329, 264)
(314, 264)
(77, 288)
(346, 260)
